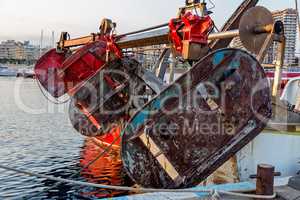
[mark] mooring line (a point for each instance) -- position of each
(211, 192)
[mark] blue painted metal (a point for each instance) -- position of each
(218, 58)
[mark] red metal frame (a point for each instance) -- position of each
(60, 73)
(191, 28)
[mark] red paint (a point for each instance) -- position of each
(47, 72)
(112, 137)
(195, 29)
(83, 64)
(60, 73)
(285, 75)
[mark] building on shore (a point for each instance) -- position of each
(289, 19)
(12, 51)
(31, 52)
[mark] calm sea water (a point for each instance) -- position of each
(36, 135)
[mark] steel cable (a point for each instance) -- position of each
(44, 93)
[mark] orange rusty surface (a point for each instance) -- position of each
(106, 170)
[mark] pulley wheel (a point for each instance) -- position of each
(254, 17)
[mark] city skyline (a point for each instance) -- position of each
(80, 18)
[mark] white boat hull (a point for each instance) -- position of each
(280, 149)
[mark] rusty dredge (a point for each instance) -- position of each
(172, 135)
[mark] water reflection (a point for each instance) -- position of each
(46, 143)
(106, 170)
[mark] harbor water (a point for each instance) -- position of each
(36, 135)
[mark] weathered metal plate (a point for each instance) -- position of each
(110, 96)
(257, 16)
(102, 101)
(47, 73)
(196, 124)
(61, 72)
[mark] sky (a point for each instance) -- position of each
(24, 19)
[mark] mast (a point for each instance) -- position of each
(52, 40)
(41, 42)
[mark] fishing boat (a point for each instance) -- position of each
(26, 73)
(162, 158)
(5, 71)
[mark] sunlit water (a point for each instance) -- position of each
(37, 136)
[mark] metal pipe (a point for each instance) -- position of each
(264, 29)
(143, 30)
(172, 68)
(224, 35)
(278, 69)
(79, 41)
(255, 176)
(155, 37)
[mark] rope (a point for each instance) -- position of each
(212, 192)
(56, 101)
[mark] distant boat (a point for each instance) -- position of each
(26, 73)
(5, 71)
